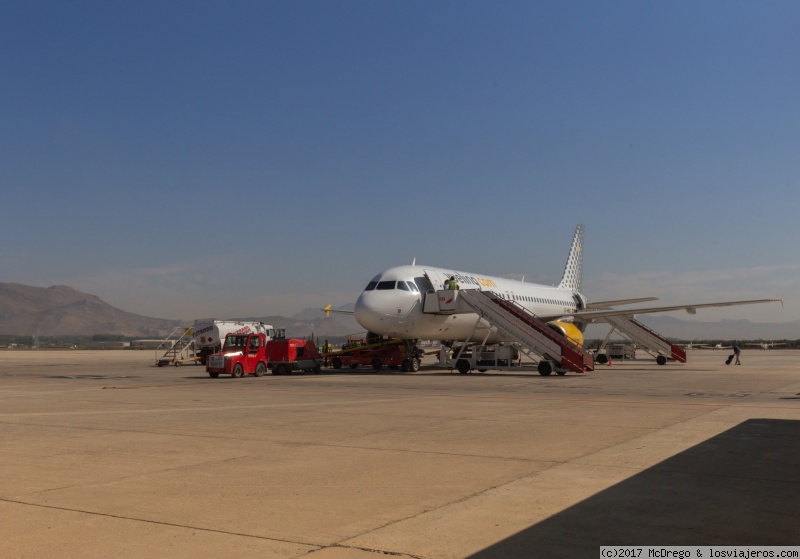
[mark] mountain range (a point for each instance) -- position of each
(63, 311)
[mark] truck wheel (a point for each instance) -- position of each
(405, 365)
(213, 375)
(377, 364)
(260, 369)
(463, 366)
(237, 370)
(661, 360)
(317, 370)
(601, 358)
(279, 370)
(354, 365)
(337, 363)
(545, 368)
(561, 372)
(414, 365)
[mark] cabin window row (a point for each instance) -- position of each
(540, 300)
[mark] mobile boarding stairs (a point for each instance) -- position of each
(533, 336)
(651, 341)
(178, 348)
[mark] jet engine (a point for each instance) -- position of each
(568, 330)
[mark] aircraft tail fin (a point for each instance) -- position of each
(573, 271)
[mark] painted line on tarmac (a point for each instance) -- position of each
(158, 522)
(300, 390)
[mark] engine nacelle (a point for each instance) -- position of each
(569, 330)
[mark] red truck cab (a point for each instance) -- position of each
(241, 354)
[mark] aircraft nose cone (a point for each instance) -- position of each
(369, 311)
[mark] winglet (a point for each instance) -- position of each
(327, 310)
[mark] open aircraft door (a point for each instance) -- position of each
(430, 303)
(436, 279)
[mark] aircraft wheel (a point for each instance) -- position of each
(377, 364)
(213, 375)
(238, 370)
(337, 363)
(414, 365)
(462, 365)
(544, 368)
(260, 369)
(661, 360)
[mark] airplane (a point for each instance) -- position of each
(392, 303)
(765, 345)
(715, 347)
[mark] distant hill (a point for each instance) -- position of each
(63, 311)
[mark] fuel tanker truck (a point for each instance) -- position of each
(209, 334)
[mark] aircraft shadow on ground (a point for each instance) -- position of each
(738, 488)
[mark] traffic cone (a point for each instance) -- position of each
(609, 362)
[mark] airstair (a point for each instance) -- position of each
(523, 327)
(177, 348)
(650, 340)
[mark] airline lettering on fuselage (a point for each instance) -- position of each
(470, 280)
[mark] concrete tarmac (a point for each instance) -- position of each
(105, 455)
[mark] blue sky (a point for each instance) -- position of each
(193, 159)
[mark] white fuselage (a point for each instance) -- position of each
(392, 303)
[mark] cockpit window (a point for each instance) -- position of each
(402, 285)
(373, 282)
(413, 287)
(386, 284)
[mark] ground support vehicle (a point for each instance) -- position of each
(497, 357)
(621, 351)
(242, 354)
(395, 354)
(209, 333)
(285, 356)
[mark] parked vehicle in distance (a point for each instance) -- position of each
(254, 354)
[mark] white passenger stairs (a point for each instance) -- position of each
(520, 325)
(177, 348)
(649, 339)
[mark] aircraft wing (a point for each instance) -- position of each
(609, 304)
(691, 309)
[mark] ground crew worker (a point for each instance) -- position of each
(326, 349)
(452, 284)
